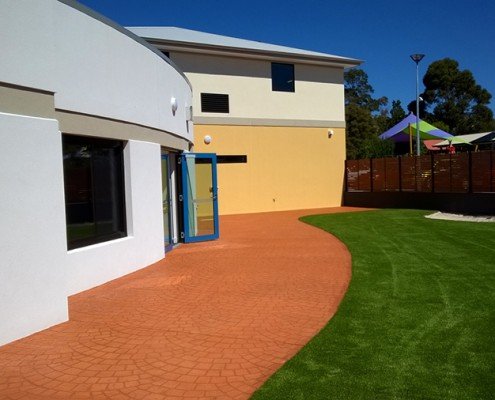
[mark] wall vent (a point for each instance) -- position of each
(214, 103)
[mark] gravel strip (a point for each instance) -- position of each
(461, 217)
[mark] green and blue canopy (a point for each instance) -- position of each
(401, 131)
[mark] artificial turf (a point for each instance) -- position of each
(418, 319)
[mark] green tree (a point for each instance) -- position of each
(361, 125)
(423, 112)
(358, 91)
(362, 135)
(382, 121)
(397, 113)
(456, 99)
(360, 128)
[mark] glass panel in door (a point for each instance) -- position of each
(199, 185)
(166, 202)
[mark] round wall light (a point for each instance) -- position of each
(207, 139)
(173, 103)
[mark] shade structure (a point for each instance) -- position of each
(470, 138)
(431, 144)
(487, 138)
(457, 140)
(401, 131)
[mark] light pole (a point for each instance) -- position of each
(417, 58)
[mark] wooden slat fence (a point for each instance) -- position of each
(436, 173)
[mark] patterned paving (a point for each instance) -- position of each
(212, 321)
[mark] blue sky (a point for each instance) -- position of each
(383, 33)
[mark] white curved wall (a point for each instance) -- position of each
(37, 273)
(91, 67)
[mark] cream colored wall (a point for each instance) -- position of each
(318, 95)
(287, 167)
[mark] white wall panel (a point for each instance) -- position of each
(33, 269)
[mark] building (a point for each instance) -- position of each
(274, 116)
(89, 115)
(97, 174)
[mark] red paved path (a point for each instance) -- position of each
(213, 320)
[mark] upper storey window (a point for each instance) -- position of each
(283, 77)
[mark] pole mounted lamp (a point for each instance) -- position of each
(417, 58)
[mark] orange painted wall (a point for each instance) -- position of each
(287, 168)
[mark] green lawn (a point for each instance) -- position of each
(418, 320)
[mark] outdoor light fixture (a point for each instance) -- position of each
(207, 139)
(330, 133)
(189, 113)
(417, 58)
(173, 103)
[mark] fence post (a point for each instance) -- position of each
(470, 173)
(385, 174)
(371, 175)
(400, 173)
(359, 175)
(450, 173)
(491, 170)
(416, 161)
(432, 173)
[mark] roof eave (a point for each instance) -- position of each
(254, 53)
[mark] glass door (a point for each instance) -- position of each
(199, 190)
(166, 203)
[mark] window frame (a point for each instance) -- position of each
(118, 179)
(277, 85)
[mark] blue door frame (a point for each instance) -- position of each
(198, 228)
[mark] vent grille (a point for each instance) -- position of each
(234, 159)
(215, 103)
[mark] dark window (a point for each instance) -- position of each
(213, 102)
(166, 53)
(94, 190)
(237, 159)
(283, 77)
